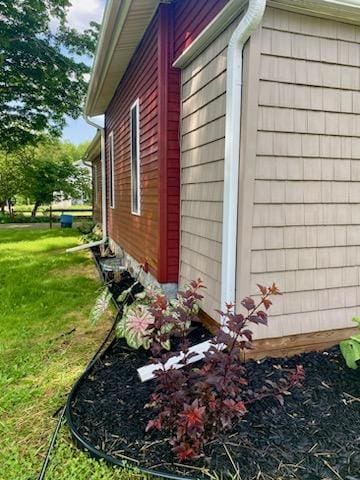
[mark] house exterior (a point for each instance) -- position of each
(235, 185)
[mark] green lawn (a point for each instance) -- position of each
(45, 293)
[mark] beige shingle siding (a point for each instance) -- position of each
(306, 214)
(202, 168)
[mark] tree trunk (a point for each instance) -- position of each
(35, 207)
(9, 205)
(2, 206)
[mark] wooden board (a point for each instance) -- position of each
(290, 345)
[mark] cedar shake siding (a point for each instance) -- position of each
(151, 236)
(306, 213)
(299, 220)
(96, 188)
(202, 168)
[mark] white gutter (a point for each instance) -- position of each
(249, 22)
(242, 33)
(103, 191)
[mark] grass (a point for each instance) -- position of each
(45, 294)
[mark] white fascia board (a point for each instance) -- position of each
(123, 27)
(108, 38)
(347, 11)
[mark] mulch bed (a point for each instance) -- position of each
(315, 436)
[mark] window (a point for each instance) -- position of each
(135, 158)
(111, 170)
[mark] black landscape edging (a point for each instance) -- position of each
(97, 454)
(80, 441)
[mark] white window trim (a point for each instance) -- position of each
(112, 169)
(136, 105)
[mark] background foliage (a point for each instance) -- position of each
(42, 70)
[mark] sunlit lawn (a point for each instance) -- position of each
(45, 342)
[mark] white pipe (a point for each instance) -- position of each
(103, 190)
(243, 31)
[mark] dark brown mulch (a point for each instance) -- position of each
(315, 436)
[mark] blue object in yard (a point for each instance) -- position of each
(66, 221)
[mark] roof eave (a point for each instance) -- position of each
(124, 24)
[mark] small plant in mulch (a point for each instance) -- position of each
(351, 348)
(152, 319)
(194, 405)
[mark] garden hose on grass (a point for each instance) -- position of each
(62, 409)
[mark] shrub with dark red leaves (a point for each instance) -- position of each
(194, 404)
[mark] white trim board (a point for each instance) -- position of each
(147, 372)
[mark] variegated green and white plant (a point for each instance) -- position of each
(152, 319)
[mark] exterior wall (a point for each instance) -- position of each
(154, 235)
(191, 17)
(97, 193)
(305, 217)
(150, 78)
(202, 168)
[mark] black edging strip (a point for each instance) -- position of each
(95, 357)
(83, 443)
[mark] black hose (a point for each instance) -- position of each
(52, 444)
(62, 409)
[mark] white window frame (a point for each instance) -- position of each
(111, 169)
(135, 209)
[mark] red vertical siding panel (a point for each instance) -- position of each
(163, 76)
(191, 17)
(169, 165)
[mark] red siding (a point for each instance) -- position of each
(169, 150)
(191, 17)
(154, 235)
(138, 235)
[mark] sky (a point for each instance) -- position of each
(81, 13)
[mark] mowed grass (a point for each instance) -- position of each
(45, 342)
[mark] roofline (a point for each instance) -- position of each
(118, 12)
(117, 16)
(101, 62)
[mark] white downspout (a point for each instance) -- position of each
(242, 33)
(103, 190)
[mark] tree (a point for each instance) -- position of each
(11, 179)
(42, 75)
(53, 173)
